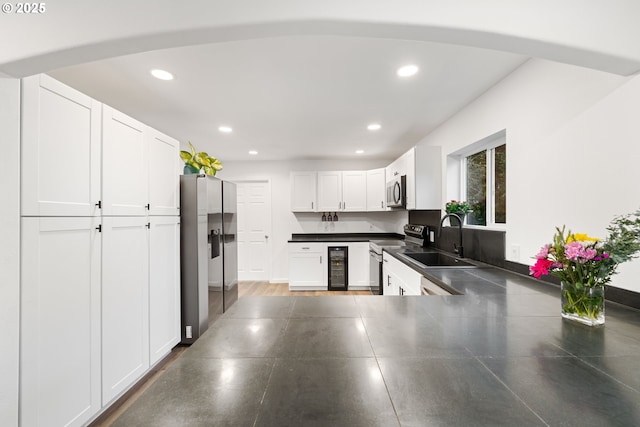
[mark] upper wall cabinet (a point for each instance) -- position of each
(342, 191)
(303, 191)
(124, 165)
(60, 159)
(376, 194)
(424, 177)
(164, 176)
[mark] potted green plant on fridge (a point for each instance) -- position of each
(194, 162)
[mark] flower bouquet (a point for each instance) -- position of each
(585, 265)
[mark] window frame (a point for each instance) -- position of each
(489, 145)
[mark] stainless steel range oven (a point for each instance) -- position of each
(414, 234)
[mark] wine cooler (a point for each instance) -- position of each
(338, 268)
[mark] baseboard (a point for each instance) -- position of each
(613, 294)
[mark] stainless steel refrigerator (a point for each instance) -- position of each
(209, 252)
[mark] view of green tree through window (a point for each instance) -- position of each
(486, 186)
(500, 184)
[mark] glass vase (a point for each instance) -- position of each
(584, 304)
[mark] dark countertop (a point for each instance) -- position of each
(343, 237)
(499, 355)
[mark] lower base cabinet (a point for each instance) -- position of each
(125, 303)
(399, 279)
(164, 286)
(60, 321)
(100, 305)
(309, 265)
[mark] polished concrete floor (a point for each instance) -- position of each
(400, 361)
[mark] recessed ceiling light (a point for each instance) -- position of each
(374, 126)
(407, 70)
(225, 129)
(162, 74)
(253, 152)
(359, 151)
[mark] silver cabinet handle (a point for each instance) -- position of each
(320, 259)
(311, 205)
(344, 206)
(382, 203)
(304, 248)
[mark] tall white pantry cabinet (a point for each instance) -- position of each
(100, 290)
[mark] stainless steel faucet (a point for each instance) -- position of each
(456, 249)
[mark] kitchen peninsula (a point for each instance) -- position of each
(499, 355)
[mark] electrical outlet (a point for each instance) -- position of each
(515, 253)
(432, 236)
(188, 332)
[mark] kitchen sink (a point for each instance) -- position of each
(437, 259)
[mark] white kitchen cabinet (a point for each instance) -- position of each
(164, 286)
(358, 268)
(329, 191)
(60, 321)
(125, 303)
(60, 159)
(342, 191)
(354, 191)
(303, 191)
(164, 173)
(307, 267)
(124, 165)
(400, 279)
(376, 190)
(424, 177)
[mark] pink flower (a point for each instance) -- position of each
(605, 255)
(589, 253)
(573, 250)
(541, 267)
(544, 251)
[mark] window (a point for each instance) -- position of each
(484, 183)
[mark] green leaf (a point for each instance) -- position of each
(185, 155)
(193, 150)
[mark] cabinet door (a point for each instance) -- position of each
(164, 286)
(376, 190)
(354, 191)
(125, 303)
(358, 265)
(60, 321)
(307, 266)
(329, 191)
(303, 191)
(164, 173)
(124, 164)
(60, 159)
(409, 167)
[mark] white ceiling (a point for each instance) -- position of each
(296, 97)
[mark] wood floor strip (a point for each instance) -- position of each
(256, 288)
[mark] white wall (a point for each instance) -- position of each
(9, 249)
(285, 223)
(573, 151)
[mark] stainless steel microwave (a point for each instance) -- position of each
(397, 192)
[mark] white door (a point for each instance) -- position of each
(124, 164)
(254, 230)
(60, 321)
(164, 286)
(125, 303)
(164, 173)
(60, 150)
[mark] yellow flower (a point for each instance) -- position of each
(581, 237)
